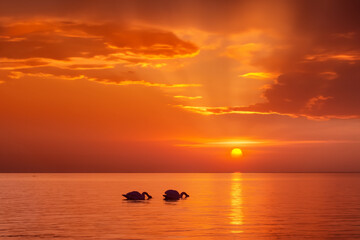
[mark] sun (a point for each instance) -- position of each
(236, 153)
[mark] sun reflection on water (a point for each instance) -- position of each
(236, 215)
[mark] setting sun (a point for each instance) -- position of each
(236, 153)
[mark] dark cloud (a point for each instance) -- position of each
(141, 42)
(314, 94)
(324, 90)
(53, 47)
(61, 41)
(319, 60)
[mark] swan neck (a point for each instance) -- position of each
(146, 194)
(183, 193)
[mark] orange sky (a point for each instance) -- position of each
(173, 86)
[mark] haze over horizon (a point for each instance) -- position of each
(174, 86)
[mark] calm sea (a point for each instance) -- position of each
(220, 206)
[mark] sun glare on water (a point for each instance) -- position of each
(236, 153)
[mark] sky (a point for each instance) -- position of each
(174, 86)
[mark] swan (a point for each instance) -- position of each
(135, 195)
(174, 195)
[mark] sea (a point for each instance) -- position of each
(221, 206)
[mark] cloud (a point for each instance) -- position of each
(318, 61)
(259, 75)
(61, 40)
(313, 95)
(89, 66)
(46, 42)
(188, 97)
(81, 50)
(10, 64)
(145, 83)
(229, 110)
(117, 77)
(323, 85)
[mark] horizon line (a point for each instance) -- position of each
(153, 172)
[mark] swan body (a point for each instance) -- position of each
(174, 195)
(135, 195)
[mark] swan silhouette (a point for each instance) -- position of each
(174, 195)
(135, 195)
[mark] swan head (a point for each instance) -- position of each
(184, 193)
(146, 194)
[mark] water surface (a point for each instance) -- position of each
(220, 206)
